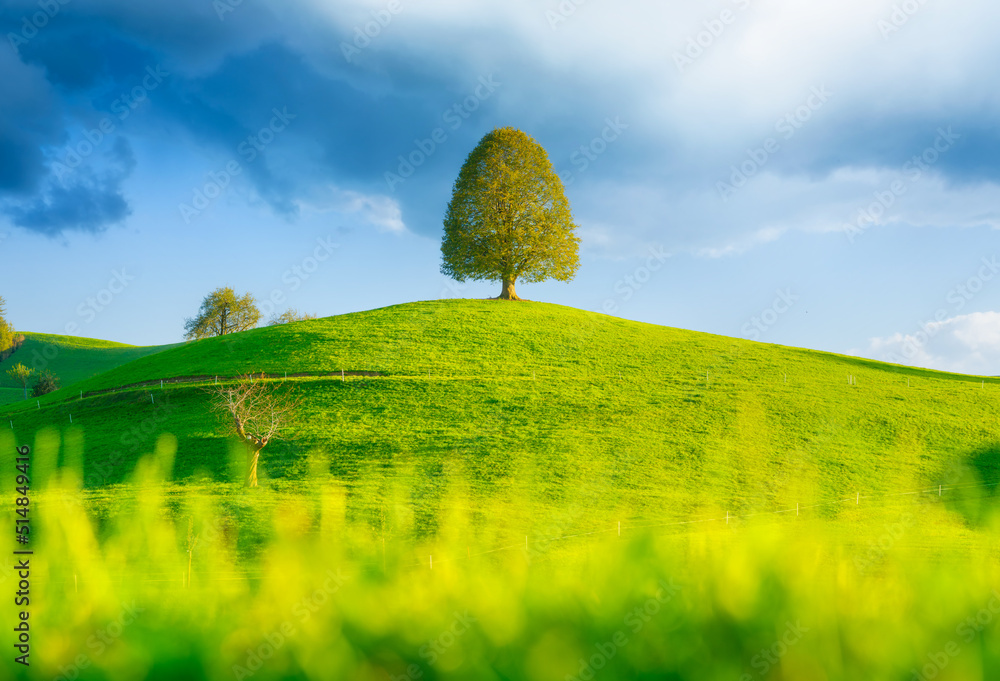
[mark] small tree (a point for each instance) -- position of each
(223, 312)
(21, 374)
(255, 410)
(288, 316)
(46, 383)
(508, 217)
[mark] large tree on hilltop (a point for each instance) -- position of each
(508, 218)
(223, 312)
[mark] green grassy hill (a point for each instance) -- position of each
(560, 478)
(70, 358)
(561, 405)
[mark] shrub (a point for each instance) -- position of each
(288, 316)
(44, 384)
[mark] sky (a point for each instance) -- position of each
(821, 175)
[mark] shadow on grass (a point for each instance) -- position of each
(974, 484)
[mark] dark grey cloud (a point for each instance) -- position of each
(30, 120)
(84, 200)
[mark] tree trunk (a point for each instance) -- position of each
(253, 456)
(508, 290)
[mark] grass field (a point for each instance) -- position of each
(70, 358)
(546, 470)
(155, 582)
(549, 399)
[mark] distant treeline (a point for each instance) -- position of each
(10, 340)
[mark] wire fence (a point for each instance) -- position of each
(343, 374)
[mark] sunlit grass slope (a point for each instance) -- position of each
(557, 402)
(70, 358)
(458, 515)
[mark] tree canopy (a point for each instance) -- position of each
(508, 218)
(223, 312)
(21, 374)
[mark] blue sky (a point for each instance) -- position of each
(819, 174)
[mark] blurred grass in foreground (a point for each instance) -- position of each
(909, 591)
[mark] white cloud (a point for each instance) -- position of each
(379, 211)
(770, 206)
(968, 344)
(939, 68)
(743, 244)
